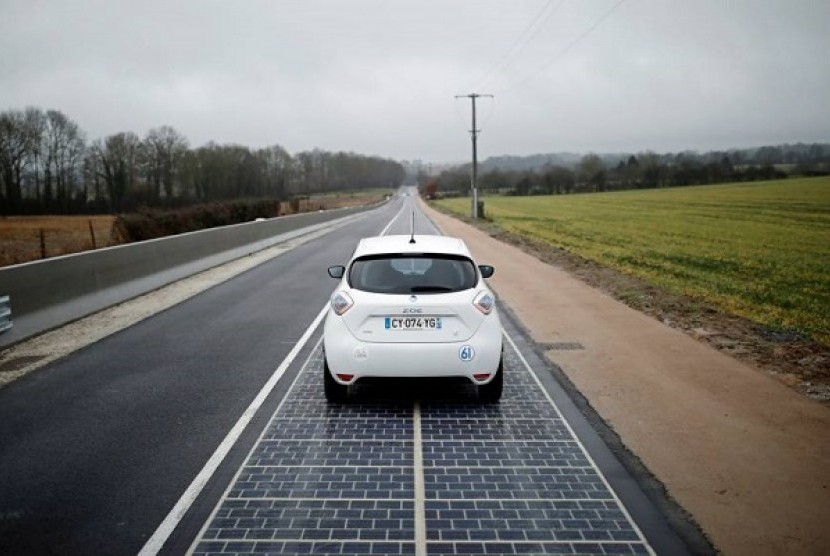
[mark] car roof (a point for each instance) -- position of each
(401, 244)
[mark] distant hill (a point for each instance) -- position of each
(531, 162)
(799, 153)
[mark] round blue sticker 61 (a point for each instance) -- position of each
(466, 353)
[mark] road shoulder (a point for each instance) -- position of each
(742, 453)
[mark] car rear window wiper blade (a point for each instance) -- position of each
(426, 289)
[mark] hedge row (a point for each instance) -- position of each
(150, 223)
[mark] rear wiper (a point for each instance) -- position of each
(425, 289)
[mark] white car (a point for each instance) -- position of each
(412, 306)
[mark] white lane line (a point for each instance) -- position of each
(260, 439)
(163, 532)
(581, 445)
(386, 229)
(420, 493)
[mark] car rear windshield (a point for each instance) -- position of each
(396, 274)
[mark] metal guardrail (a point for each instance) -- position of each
(5, 313)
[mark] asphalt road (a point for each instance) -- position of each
(97, 448)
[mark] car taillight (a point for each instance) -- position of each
(484, 302)
(341, 302)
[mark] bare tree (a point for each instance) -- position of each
(277, 168)
(165, 149)
(558, 179)
(93, 176)
(119, 157)
(592, 171)
(36, 124)
(650, 170)
(17, 147)
(63, 150)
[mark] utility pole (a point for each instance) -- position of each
(474, 133)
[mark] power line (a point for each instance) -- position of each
(572, 44)
(491, 111)
(505, 59)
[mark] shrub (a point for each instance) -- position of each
(149, 223)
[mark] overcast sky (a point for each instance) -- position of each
(379, 77)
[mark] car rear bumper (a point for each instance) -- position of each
(346, 355)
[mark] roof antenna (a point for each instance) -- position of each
(412, 239)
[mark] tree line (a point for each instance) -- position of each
(594, 172)
(48, 166)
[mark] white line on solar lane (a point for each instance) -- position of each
(420, 492)
(165, 529)
(200, 536)
(581, 445)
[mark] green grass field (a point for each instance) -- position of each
(759, 250)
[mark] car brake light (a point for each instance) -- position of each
(481, 376)
(345, 377)
(341, 302)
(484, 302)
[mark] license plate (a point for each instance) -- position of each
(412, 323)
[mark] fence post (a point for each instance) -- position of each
(92, 234)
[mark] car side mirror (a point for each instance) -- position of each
(486, 270)
(337, 271)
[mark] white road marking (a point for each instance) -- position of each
(420, 492)
(163, 532)
(200, 536)
(386, 229)
(581, 445)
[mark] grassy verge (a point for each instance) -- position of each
(759, 250)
